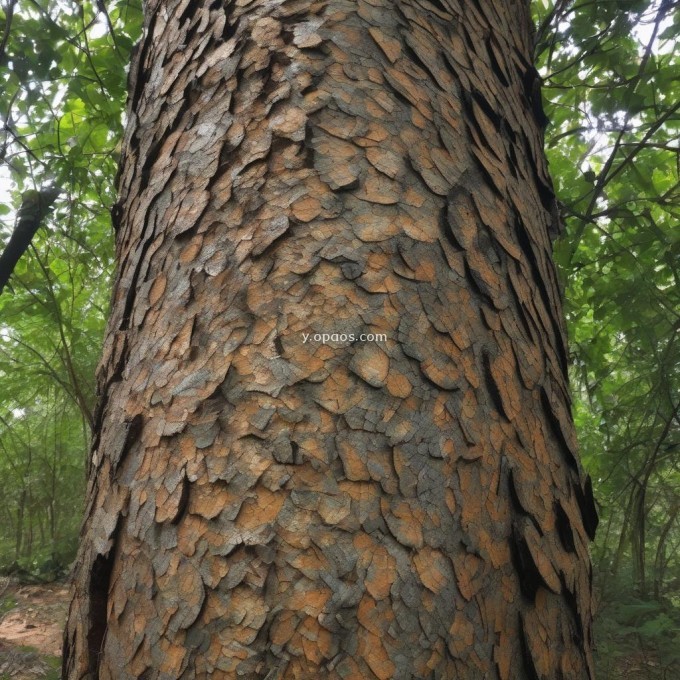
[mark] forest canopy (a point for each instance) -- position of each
(611, 109)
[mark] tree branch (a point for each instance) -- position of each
(33, 209)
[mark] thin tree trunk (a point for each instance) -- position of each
(28, 541)
(8, 520)
(263, 503)
(624, 534)
(19, 534)
(41, 528)
(638, 540)
(659, 570)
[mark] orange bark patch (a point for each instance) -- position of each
(432, 568)
(353, 463)
(316, 641)
(375, 655)
(191, 251)
(462, 635)
(172, 658)
(209, 500)
(390, 46)
(311, 600)
(262, 509)
(404, 522)
(283, 628)
(469, 570)
(333, 509)
(290, 124)
(382, 573)
(370, 227)
(309, 563)
(386, 162)
(157, 289)
(371, 364)
(306, 209)
(398, 385)
(189, 529)
(379, 189)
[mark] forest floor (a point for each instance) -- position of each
(31, 626)
(32, 621)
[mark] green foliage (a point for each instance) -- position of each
(53, 664)
(7, 603)
(649, 626)
(41, 454)
(612, 92)
(62, 93)
(35, 664)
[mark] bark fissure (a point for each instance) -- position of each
(98, 596)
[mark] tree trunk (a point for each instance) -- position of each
(660, 557)
(265, 506)
(19, 536)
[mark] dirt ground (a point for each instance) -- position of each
(31, 625)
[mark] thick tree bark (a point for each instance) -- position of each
(264, 507)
